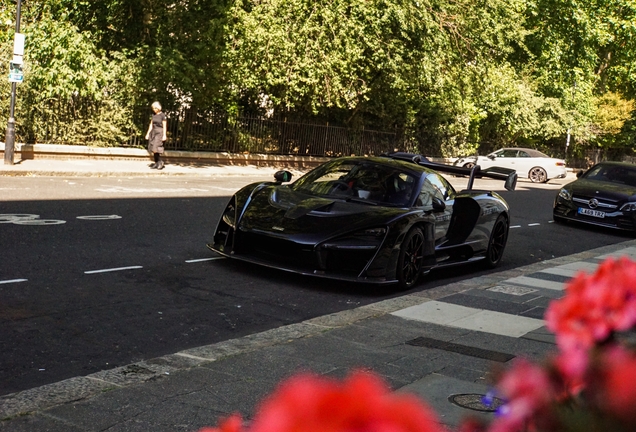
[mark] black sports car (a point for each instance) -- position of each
(604, 195)
(384, 219)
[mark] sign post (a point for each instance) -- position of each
(15, 76)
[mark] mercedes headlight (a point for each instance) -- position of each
(565, 194)
(629, 207)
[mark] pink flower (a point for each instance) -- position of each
(571, 367)
(529, 392)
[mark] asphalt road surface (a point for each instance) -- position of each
(97, 273)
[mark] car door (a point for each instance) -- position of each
(506, 158)
(502, 158)
(525, 162)
(433, 187)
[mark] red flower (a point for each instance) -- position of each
(612, 383)
(472, 424)
(595, 305)
(362, 403)
(231, 424)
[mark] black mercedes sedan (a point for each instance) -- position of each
(604, 195)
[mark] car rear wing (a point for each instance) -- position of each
(509, 176)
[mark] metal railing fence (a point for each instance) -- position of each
(202, 130)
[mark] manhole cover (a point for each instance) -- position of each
(475, 402)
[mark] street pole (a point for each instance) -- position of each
(9, 139)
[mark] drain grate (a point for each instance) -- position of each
(475, 402)
(461, 349)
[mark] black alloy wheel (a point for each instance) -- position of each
(410, 259)
(497, 242)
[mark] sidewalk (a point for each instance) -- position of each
(439, 344)
(128, 168)
(76, 161)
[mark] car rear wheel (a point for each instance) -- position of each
(538, 175)
(410, 259)
(497, 242)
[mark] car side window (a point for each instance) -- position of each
(433, 186)
(509, 153)
(523, 154)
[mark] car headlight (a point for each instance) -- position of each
(372, 232)
(629, 207)
(565, 194)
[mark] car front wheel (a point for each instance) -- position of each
(538, 175)
(411, 259)
(497, 242)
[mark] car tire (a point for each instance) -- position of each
(538, 175)
(411, 259)
(497, 241)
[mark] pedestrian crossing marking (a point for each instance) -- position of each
(437, 312)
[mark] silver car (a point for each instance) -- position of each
(528, 163)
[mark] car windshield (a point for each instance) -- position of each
(359, 181)
(612, 173)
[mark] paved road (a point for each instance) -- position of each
(101, 272)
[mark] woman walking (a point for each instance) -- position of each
(156, 135)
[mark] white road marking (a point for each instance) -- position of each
(99, 217)
(13, 281)
(515, 226)
(121, 189)
(204, 259)
(534, 224)
(39, 222)
(112, 269)
(11, 218)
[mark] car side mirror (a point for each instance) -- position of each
(579, 173)
(438, 204)
(491, 157)
(282, 176)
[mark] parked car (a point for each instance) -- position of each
(385, 219)
(528, 163)
(604, 195)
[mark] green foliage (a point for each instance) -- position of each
(456, 76)
(68, 81)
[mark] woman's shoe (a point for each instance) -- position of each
(153, 166)
(159, 165)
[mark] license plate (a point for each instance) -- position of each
(593, 213)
